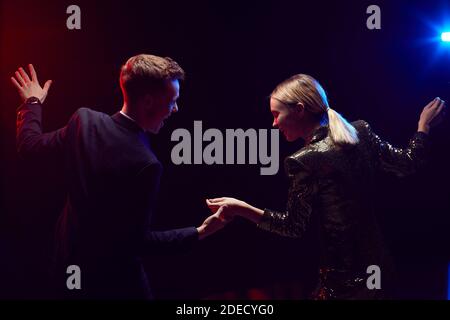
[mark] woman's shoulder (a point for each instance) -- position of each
(362, 126)
(306, 158)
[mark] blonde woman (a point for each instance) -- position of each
(330, 185)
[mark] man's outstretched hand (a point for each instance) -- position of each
(27, 87)
(212, 224)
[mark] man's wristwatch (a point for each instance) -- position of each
(33, 100)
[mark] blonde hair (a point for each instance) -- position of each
(307, 90)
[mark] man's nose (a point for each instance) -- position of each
(175, 108)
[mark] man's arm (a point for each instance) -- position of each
(291, 223)
(170, 240)
(30, 139)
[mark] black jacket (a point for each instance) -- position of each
(333, 186)
(113, 179)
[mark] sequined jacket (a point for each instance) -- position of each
(333, 185)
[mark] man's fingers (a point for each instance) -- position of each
(24, 75)
(47, 85)
(214, 209)
(19, 77)
(222, 216)
(33, 73)
(15, 83)
(218, 213)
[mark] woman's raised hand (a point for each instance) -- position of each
(431, 115)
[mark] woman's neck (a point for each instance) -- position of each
(311, 132)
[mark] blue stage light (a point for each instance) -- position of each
(448, 282)
(445, 36)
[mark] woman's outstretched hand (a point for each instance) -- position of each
(231, 207)
(431, 115)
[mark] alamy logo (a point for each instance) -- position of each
(74, 20)
(74, 280)
(374, 280)
(374, 20)
(235, 150)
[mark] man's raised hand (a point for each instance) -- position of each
(27, 87)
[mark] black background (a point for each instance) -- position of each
(234, 54)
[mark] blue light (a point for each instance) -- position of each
(448, 282)
(445, 36)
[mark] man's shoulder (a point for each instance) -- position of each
(83, 117)
(89, 113)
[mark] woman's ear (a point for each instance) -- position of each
(300, 107)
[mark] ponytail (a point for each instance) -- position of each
(307, 90)
(341, 131)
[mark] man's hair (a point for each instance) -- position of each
(145, 73)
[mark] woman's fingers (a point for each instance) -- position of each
(214, 200)
(433, 104)
(430, 103)
(438, 108)
(441, 106)
(214, 206)
(437, 114)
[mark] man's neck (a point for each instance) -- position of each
(125, 110)
(129, 114)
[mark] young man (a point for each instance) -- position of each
(113, 178)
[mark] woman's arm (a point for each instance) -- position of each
(290, 223)
(233, 207)
(405, 161)
(431, 115)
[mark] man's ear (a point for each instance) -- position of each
(148, 101)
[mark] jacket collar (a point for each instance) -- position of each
(125, 122)
(319, 133)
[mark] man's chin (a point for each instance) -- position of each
(153, 130)
(156, 130)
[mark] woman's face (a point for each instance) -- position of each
(288, 119)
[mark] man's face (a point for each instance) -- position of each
(160, 106)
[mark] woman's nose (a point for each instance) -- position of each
(175, 107)
(275, 123)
